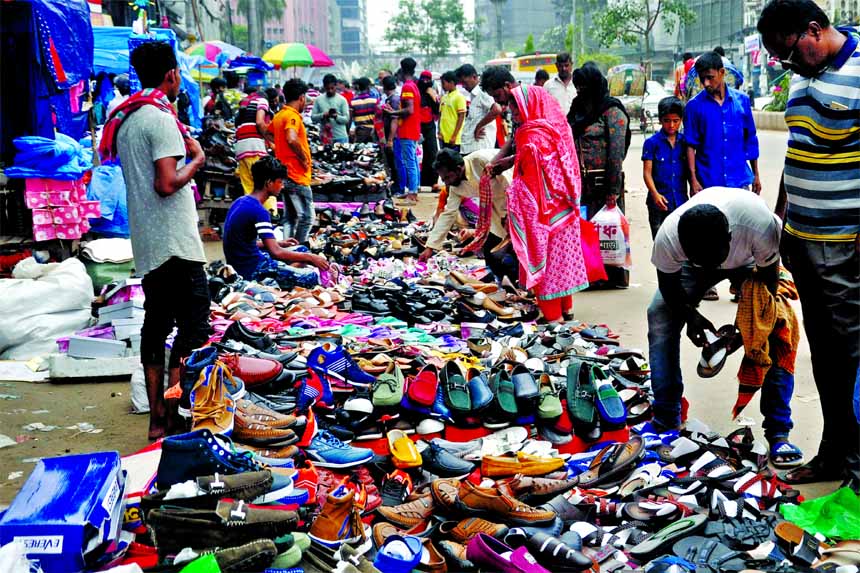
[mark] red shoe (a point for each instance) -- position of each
(252, 371)
(308, 478)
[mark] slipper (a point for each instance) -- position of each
(642, 477)
(813, 471)
(783, 454)
(637, 405)
(612, 462)
(798, 545)
(661, 539)
(844, 553)
(404, 452)
(708, 553)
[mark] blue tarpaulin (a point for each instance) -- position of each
(111, 57)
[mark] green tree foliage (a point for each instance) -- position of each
(603, 61)
(240, 35)
(552, 39)
(631, 21)
(568, 39)
(529, 47)
(429, 27)
(269, 9)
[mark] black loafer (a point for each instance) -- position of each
(555, 555)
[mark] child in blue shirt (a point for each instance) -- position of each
(664, 164)
(250, 246)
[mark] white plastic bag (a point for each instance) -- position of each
(613, 230)
(13, 559)
(42, 303)
(139, 398)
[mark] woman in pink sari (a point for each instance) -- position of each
(543, 199)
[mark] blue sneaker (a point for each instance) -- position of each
(332, 360)
(439, 409)
(327, 451)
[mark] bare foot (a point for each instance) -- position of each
(156, 432)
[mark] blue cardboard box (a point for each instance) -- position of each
(69, 511)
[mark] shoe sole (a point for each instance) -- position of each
(349, 541)
(324, 464)
(287, 495)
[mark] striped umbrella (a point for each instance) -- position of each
(215, 51)
(292, 54)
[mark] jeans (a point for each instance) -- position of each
(827, 276)
(429, 149)
(287, 275)
(177, 294)
(664, 340)
(298, 220)
(409, 157)
(775, 403)
(340, 139)
(399, 166)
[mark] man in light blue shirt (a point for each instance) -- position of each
(722, 146)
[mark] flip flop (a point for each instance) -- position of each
(798, 545)
(783, 454)
(661, 539)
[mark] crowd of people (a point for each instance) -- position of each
(560, 165)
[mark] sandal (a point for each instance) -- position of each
(708, 554)
(798, 545)
(612, 462)
(658, 541)
(783, 454)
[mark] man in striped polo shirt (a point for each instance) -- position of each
(820, 204)
(363, 109)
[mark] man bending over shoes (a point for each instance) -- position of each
(720, 233)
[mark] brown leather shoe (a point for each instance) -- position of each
(534, 490)
(408, 515)
(383, 530)
(445, 492)
(455, 554)
(248, 431)
(264, 415)
(465, 530)
(339, 521)
(431, 560)
(489, 502)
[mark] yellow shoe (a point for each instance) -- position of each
(521, 463)
(404, 452)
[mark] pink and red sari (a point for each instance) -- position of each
(543, 199)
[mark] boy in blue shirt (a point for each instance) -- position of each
(250, 246)
(663, 164)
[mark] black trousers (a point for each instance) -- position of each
(429, 149)
(392, 167)
(502, 264)
(177, 294)
(827, 276)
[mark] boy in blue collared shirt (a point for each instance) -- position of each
(663, 164)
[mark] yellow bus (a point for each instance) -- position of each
(535, 62)
(503, 62)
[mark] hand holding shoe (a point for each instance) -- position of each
(696, 326)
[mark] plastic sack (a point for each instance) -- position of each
(60, 158)
(40, 304)
(613, 231)
(13, 559)
(139, 398)
(108, 188)
(834, 515)
(594, 269)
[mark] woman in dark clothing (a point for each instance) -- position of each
(429, 113)
(601, 132)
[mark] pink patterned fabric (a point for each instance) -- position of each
(543, 200)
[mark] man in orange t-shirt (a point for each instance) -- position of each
(292, 149)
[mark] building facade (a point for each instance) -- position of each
(349, 19)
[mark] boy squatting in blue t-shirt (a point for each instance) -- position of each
(664, 164)
(247, 221)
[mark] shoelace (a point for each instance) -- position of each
(329, 439)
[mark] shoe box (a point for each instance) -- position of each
(69, 512)
(142, 469)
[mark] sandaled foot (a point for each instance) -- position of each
(816, 470)
(783, 454)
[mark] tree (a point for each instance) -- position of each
(240, 35)
(552, 40)
(529, 47)
(603, 61)
(257, 13)
(631, 21)
(568, 39)
(428, 27)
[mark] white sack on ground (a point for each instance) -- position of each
(42, 303)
